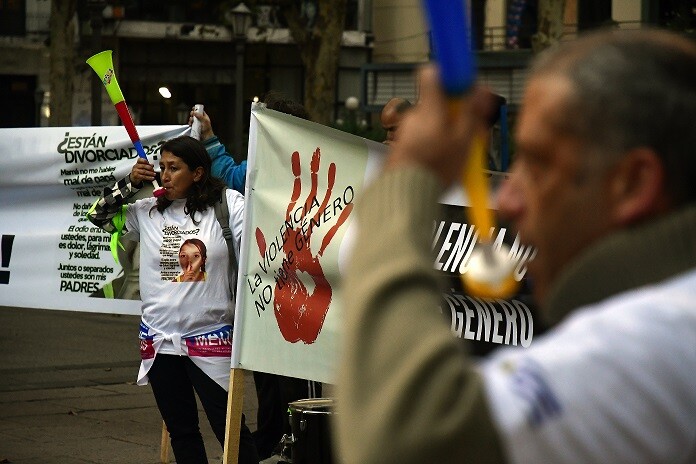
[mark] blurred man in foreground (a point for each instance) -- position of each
(603, 187)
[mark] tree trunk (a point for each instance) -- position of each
(319, 42)
(62, 59)
(550, 24)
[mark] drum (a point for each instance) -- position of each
(310, 441)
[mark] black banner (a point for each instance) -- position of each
(485, 324)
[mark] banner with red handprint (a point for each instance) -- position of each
(302, 183)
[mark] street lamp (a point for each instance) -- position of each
(165, 92)
(352, 103)
(239, 18)
(351, 120)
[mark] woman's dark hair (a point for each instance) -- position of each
(204, 192)
(198, 243)
(276, 101)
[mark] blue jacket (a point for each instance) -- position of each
(224, 166)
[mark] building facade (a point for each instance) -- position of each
(186, 47)
(179, 45)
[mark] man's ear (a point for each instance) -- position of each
(638, 187)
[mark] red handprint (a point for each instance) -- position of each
(299, 314)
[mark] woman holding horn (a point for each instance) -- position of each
(186, 326)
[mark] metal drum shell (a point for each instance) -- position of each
(311, 433)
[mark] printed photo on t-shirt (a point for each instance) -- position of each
(192, 257)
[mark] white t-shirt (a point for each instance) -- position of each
(615, 383)
(192, 318)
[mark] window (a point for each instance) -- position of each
(13, 17)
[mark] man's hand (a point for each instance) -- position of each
(437, 132)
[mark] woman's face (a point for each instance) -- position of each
(177, 177)
(191, 261)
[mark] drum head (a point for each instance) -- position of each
(313, 406)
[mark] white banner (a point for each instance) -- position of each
(302, 183)
(51, 256)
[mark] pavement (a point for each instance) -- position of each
(68, 393)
